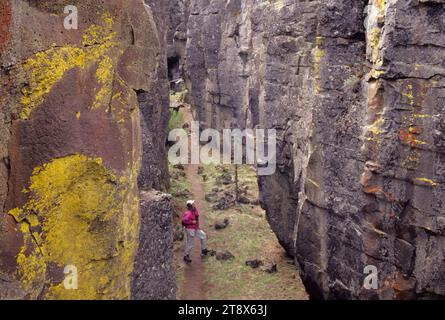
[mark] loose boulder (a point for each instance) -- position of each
(224, 255)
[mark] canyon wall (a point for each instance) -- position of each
(355, 90)
(79, 119)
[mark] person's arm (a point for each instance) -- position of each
(196, 218)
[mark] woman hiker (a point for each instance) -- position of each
(190, 220)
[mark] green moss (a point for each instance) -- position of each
(176, 120)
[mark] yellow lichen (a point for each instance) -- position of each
(17, 213)
(376, 127)
(314, 183)
(373, 139)
(278, 4)
(421, 115)
(376, 74)
(31, 268)
(380, 5)
(45, 69)
(428, 181)
(25, 227)
(409, 94)
(89, 219)
(375, 44)
(318, 55)
(104, 75)
(96, 34)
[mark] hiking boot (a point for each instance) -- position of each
(204, 252)
(187, 259)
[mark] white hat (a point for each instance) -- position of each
(190, 202)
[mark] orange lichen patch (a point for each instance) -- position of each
(5, 21)
(373, 190)
(410, 138)
(378, 191)
(403, 284)
(397, 282)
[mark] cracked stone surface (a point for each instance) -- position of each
(154, 258)
(71, 147)
(355, 90)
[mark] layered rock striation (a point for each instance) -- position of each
(355, 91)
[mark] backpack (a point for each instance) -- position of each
(182, 220)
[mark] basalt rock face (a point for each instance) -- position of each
(215, 62)
(154, 277)
(71, 148)
(154, 105)
(355, 91)
(173, 15)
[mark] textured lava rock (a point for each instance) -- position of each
(154, 107)
(71, 146)
(270, 269)
(224, 255)
(153, 275)
(254, 263)
(355, 92)
(222, 225)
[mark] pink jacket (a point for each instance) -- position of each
(189, 217)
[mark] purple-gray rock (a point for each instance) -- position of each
(355, 92)
(224, 255)
(153, 275)
(255, 263)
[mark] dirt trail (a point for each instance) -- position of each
(194, 274)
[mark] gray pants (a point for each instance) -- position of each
(191, 237)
